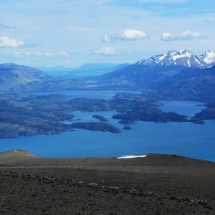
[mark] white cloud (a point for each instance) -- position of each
(126, 34)
(186, 35)
(10, 42)
(42, 54)
(54, 54)
(106, 51)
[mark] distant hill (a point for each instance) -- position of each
(83, 71)
(13, 76)
(15, 156)
(22, 157)
(140, 76)
(195, 84)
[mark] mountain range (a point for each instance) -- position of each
(181, 58)
(173, 75)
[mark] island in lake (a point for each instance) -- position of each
(26, 115)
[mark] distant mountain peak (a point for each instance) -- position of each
(181, 58)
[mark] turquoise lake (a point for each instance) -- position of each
(186, 139)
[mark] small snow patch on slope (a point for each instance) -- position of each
(132, 156)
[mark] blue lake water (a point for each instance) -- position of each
(107, 94)
(187, 139)
(186, 108)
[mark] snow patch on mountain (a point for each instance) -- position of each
(181, 54)
(209, 57)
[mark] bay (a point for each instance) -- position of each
(184, 139)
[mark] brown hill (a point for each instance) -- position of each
(15, 156)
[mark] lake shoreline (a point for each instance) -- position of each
(142, 137)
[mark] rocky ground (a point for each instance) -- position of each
(155, 184)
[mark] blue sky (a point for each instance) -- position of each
(74, 32)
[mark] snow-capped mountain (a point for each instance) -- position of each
(181, 58)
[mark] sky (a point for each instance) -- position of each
(70, 33)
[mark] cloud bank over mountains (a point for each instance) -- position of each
(185, 35)
(106, 51)
(41, 54)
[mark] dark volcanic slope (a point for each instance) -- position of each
(156, 184)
